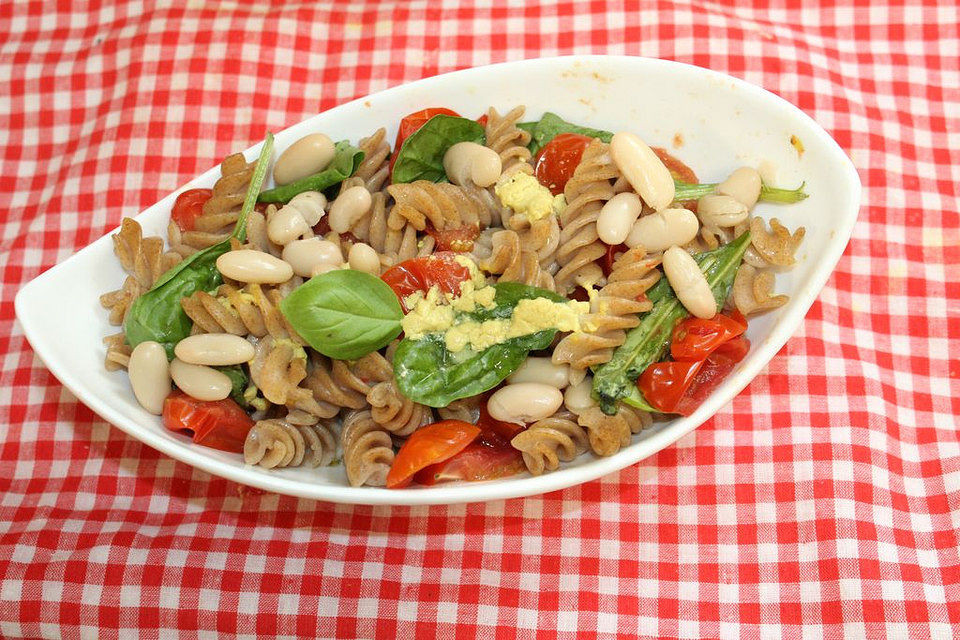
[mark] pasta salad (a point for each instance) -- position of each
(482, 298)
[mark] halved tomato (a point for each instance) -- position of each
(664, 383)
(221, 425)
(188, 207)
(419, 274)
(558, 159)
(459, 240)
(696, 338)
(429, 445)
(478, 461)
(715, 369)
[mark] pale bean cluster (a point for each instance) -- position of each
(643, 169)
(524, 402)
(297, 218)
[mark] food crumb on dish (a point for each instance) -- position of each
(797, 144)
(678, 140)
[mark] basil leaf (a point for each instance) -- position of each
(157, 314)
(421, 155)
(551, 125)
(344, 314)
(648, 342)
(346, 160)
(426, 372)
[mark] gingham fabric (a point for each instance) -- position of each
(823, 502)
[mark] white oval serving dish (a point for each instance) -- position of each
(719, 123)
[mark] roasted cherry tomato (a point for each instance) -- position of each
(429, 445)
(221, 425)
(483, 120)
(413, 122)
(558, 158)
(678, 169)
(664, 383)
(613, 250)
(419, 274)
(459, 240)
(715, 369)
(478, 461)
(189, 206)
(696, 338)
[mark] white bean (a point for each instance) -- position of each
(304, 256)
(308, 155)
(617, 217)
(689, 283)
(286, 225)
(297, 217)
(200, 382)
(469, 162)
(348, 207)
(743, 185)
(643, 169)
(149, 376)
(249, 265)
(577, 397)
(320, 269)
(663, 229)
(721, 211)
(214, 349)
(541, 370)
(363, 257)
(524, 402)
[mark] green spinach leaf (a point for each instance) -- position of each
(157, 314)
(239, 381)
(686, 191)
(648, 342)
(506, 299)
(551, 125)
(426, 372)
(421, 155)
(346, 160)
(344, 314)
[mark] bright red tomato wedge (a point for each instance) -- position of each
(558, 158)
(429, 445)
(413, 122)
(459, 240)
(478, 461)
(419, 274)
(715, 369)
(221, 425)
(664, 383)
(188, 207)
(695, 338)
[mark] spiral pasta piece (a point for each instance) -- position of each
(143, 259)
(374, 172)
(464, 409)
(776, 247)
(509, 141)
(248, 311)
(343, 384)
(276, 443)
(442, 205)
(753, 291)
(607, 434)
(586, 192)
(367, 450)
(612, 310)
(513, 263)
(394, 411)
(545, 443)
(118, 352)
(277, 369)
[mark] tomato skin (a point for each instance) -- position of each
(419, 274)
(664, 383)
(220, 425)
(459, 240)
(696, 338)
(478, 461)
(188, 207)
(678, 169)
(410, 123)
(715, 369)
(612, 251)
(429, 445)
(558, 159)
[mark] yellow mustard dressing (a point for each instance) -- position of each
(526, 196)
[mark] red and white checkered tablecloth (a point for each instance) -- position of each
(823, 502)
